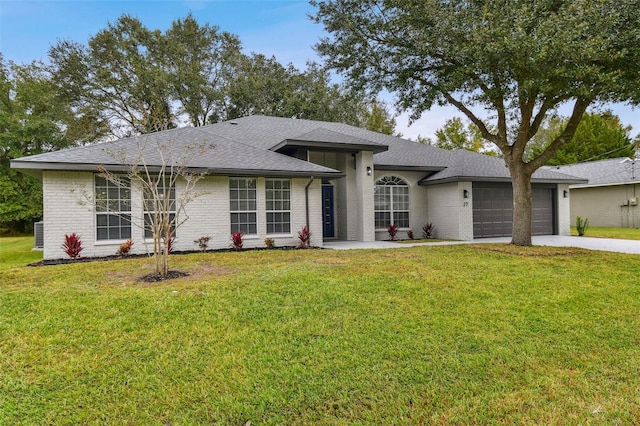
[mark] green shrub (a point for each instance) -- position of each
(582, 225)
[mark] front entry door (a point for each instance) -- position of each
(327, 212)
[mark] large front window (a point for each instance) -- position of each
(391, 202)
(278, 206)
(113, 208)
(243, 205)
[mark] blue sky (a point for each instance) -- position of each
(271, 27)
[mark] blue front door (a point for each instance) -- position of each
(327, 211)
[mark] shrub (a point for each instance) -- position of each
(427, 230)
(203, 243)
(392, 230)
(236, 240)
(72, 245)
(269, 242)
(582, 225)
(125, 248)
(304, 238)
(410, 234)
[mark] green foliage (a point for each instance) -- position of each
(516, 61)
(142, 80)
(582, 225)
(409, 336)
(34, 118)
(454, 135)
(598, 136)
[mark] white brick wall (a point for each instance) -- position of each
(68, 207)
(450, 213)
(564, 216)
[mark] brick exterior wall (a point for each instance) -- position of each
(69, 207)
(450, 213)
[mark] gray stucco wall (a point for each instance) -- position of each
(606, 206)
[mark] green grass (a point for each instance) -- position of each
(473, 334)
(620, 233)
(17, 251)
(422, 240)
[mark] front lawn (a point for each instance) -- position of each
(620, 233)
(481, 334)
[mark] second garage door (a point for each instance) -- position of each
(493, 210)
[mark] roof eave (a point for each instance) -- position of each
(427, 181)
(408, 168)
(36, 168)
(330, 146)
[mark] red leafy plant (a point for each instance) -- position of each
(392, 230)
(410, 234)
(125, 248)
(304, 238)
(427, 230)
(72, 245)
(236, 240)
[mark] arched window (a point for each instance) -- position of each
(391, 202)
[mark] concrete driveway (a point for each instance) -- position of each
(603, 244)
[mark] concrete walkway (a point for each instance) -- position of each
(603, 244)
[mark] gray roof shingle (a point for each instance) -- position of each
(612, 171)
(247, 145)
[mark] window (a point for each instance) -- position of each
(278, 206)
(242, 193)
(391, 202)
(155, 209)
(113, 208)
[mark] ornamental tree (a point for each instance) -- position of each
(505, 65)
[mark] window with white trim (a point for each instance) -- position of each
(391, 202)
(243, 205)
(162, 208)
(278, 198)
(113, 208)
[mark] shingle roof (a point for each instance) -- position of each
(613, 171)
(247, 145)
(472, 166)
(205, 150)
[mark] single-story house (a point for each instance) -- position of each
(609, 198)
(269, 177)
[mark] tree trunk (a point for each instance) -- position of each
(522, 202)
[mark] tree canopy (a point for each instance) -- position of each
(33, 119)
(141, 80)
(455, 135)
(515, 61)
(598, 136)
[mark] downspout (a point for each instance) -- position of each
(306, 199)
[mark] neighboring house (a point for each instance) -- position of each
(269, 177)
(610, 197)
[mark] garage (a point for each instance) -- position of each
(493, 210)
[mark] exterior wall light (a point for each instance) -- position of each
(465, 193)
(369, 171)
(565, 194)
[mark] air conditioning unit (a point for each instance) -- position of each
(38, 232)
(633, 201)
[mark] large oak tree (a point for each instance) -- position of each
(513, 61)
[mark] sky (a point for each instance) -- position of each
(280, 28)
